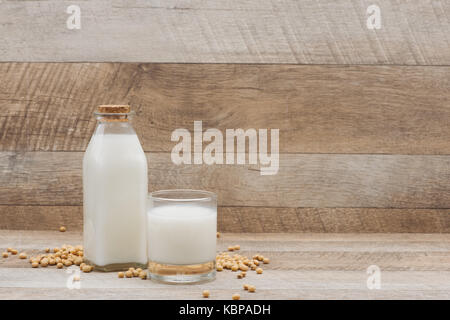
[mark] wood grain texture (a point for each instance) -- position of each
(303, 180)
(257, 219)
(258, 31)
(333, 220)
(303, 266)
(308, 292)
(41, 217)
(318, 109)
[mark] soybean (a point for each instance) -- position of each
(87, 268)
(44, 262)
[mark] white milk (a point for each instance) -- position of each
(181, 234)
(115, 198)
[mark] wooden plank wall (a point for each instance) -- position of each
(234, 31)
(364, 115)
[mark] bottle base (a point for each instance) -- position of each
(115, 266)
(182, 274)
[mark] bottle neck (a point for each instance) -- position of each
(114, 124)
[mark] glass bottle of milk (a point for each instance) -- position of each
(115, 193)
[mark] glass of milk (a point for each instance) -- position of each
(181, 235)
(115, 193)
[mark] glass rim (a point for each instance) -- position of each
(131, 113)
(198, 195)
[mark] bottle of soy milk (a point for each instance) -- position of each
(115, 193)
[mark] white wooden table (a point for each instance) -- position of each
(303, 266)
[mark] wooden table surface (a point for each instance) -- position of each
(303, 266)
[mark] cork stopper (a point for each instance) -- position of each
(113, 109)
(117, 113)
